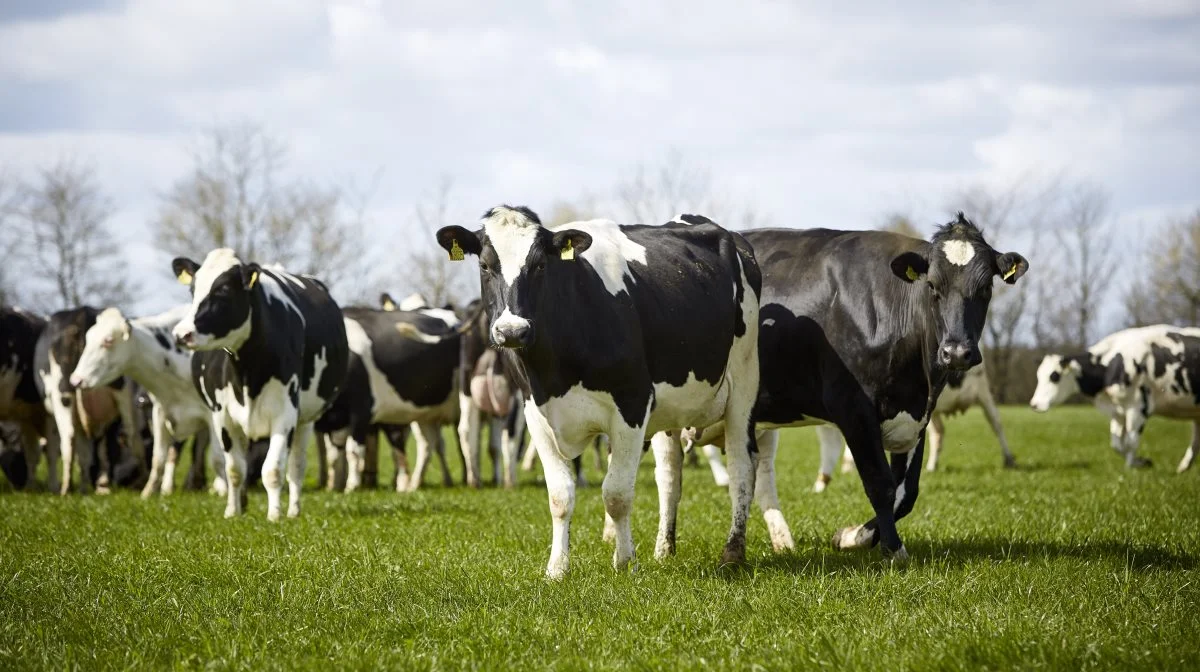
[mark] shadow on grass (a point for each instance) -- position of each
(955, 552)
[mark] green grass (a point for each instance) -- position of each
(1070, 562)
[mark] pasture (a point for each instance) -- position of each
(1069, 562)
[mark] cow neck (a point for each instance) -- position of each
(1091, 374)
(927, 342)
(255, 347)
(144, 362)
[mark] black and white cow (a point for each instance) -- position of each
(145, 350)
(962, 391)
(1130, 376)
(395, 380)
(862, 329)
(20, 401)
(271, 356)
(82, 417)
(625, 331)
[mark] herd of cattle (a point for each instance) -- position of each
(658, 337)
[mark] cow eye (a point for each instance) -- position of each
(483, 266)
(107, 342)
(541, 266)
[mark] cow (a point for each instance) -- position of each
(862, 330)
(145, 350)
(395, 380)
(962, 391)
(82, 417)
(270, 356)
(1131, 375)
(624, 330)
(21, 403)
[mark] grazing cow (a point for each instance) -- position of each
(82, 417)
(20, 401)
(1130, 376)
(145, 350)
(270, 358)
(395, 380)
(862, 329)
(625, 331)
(962, 391)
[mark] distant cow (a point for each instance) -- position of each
(625, 331)
(271, 356)
(863, 329)
(961, 393)
(1130, 376)
(394, 380)
(20, 401)
(82, 417)
(145, 350)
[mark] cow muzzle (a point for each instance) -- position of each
(186, 339)
(958, 356)
(511, 331)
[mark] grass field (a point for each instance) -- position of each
(1069, 562)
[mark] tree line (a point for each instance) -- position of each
(61, 248)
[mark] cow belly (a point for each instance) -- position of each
(900, 433)
(577, 417)
(1177, 407)
(696, 403)
(98, 409)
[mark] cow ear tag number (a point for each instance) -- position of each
(568, 252)
(911, 274)
(456, 252)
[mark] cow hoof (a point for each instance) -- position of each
(663, 550)
(609, 536)
(822, 483)
(721, 481)
(1140, 463)
(147, 492)
(1183, 466)
(853, 538)
(556, 570)
(1010, 462)
(781, 535)
(231, 512)
(273, 515)
(897, 558)
(293, 512)
(733, 555)
(103, 490)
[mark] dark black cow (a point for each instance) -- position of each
(272, 356)
(624, 331)
(82, 417)
(395, 380)
(20, 401)
(861, 329)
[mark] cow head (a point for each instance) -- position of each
(222, 288)
(517, 257)
(1057, 381)
(956, 272)
(106, 351)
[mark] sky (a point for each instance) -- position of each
(810, 115)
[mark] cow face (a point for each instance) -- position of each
(222, 289)
(1057, 381)
(106, 351)
(517, 257)
(957, 271)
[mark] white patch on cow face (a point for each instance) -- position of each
(512, 235)
(1050, 391)
(958, 252)
(900, 433)
(610, 252)
(217, 262)
(107, 349)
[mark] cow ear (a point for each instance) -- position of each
(456, 241)
(386, 302)
(250, 275)
(185, 270)
(910, 267)
(570, 242)
(126, 330)
(1011, 267)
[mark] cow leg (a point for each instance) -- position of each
(530, 455)
(740, 452)
(332, 455)
(937, 429)
(767, 495)
(86, 453)
(509, 444)
(1135, 422)
(158, 431)
(424, 435)
(31, 448)
(400, 457)
(356, 451)
(278, 447)
(1184, 464)
(468, 437)
(233, 443)
(197, 477)
(618, 486)
(322, 462)
(370, 474)
(560, 491)
(668, 476)
(133, 437)
(863, 437)
(216, 458)
(297, 462)
(847, 459)
(1116, 432)
(439, 451)
(713, 455)
(831, 443)
(64, 420)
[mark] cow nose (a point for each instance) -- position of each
(76, 380)
(957, 356)
(512, 335)
(185, 339)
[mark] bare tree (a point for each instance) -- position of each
(901, 224)
(69, 253)
(1087, 262)
(1170, 292)
(427, 269)
(10, 195)
(238, 195)
(655, 194)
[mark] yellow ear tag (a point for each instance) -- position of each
(185, 278)
(253, 279)
(456, 253)
(568, 252)
(1011, 272)
(389, 306)
(911, 274)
